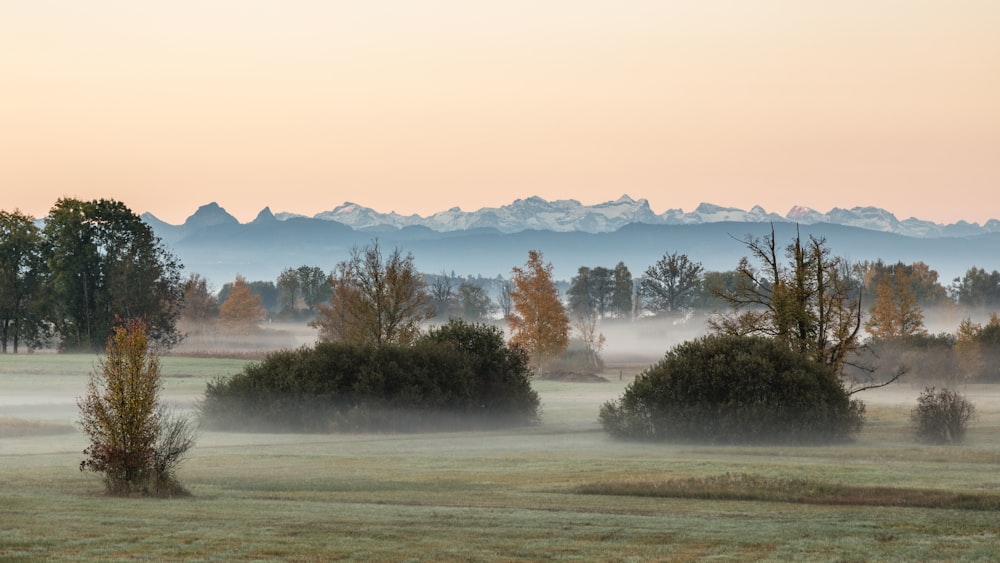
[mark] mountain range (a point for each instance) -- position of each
(490, 241)
(535, 213)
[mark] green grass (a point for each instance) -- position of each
(505, 495)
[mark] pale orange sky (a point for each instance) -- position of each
(420, 106)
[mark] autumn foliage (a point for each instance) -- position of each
(539, 322)
(242, 309)
(134, 442)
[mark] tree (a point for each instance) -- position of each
(977, 288)
(895, 312)
(22, 273)
(302, 289)
(442, 294)
(105, 263)
(714, 284)
(585, 323)
(621, 299)
(920, 281)
(241, 309)
(474, 303)
(134, 442)
(289, 292)
(809, 304)
(968, 351)
(538, 322)
(375, 300)
(503, 299)
(977, 349)
(592, 289)
(264, 290)
(200, 306)
(672, 283)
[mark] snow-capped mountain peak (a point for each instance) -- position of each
(536, 213)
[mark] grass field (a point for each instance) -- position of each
(559, 490)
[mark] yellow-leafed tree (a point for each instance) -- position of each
(538, 322)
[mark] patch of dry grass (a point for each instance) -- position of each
(748, 487)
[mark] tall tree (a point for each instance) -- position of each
(895, 312)
(621, 300)
(671, 284)
(808, 303)
(538, 322)
(22, 270)
(376, 299)
(592, 289)
(289, 292)
(105, 263)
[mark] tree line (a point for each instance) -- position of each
(66, 280)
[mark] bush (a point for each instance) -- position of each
(941, 417)
(734, 389)
(457, 376)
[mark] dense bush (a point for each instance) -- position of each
(941, 417)
(734, 389)
(457, 376)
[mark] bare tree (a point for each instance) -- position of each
(809, 303)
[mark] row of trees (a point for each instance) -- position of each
(69, 280)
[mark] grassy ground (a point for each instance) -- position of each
(512, 495)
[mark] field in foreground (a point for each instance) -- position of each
(511, 495)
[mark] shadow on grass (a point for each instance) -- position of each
(742, 486)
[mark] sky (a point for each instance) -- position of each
(419, 106)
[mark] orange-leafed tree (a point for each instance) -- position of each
(538, 322)
(242, 308)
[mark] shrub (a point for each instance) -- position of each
(941, 417)
(134, 442)
(457, 376)
(735, 389)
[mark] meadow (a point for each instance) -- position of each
(558, 490)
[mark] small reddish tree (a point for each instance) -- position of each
(539, 322)
(134, 442)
